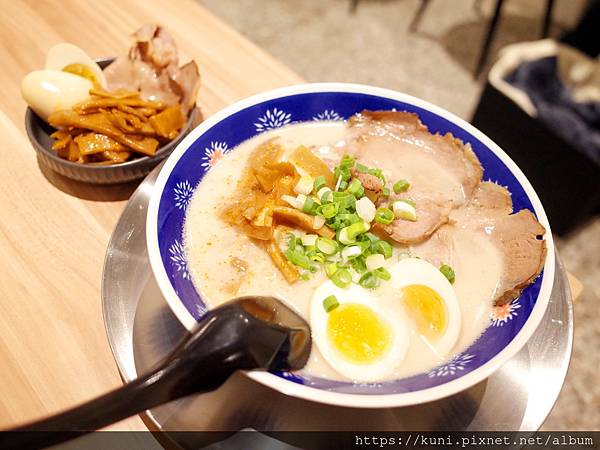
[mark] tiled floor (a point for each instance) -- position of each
(322, 41)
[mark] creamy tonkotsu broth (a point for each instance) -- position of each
(225, 263)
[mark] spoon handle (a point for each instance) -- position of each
(201, 362)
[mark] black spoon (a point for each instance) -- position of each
(245, 333)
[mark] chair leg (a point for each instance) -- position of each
(414, 24)
(547, 18)
(353, 5)
(488, 38)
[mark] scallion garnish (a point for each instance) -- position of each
(369, 280)
(403, 209)
(298, 257)
(330, 269)
(448, 272)
(382, 273)
(383, 247)
(319, 183)
(351, 251)
(327, 246)
(328, 210)
(330, 303)
(401, 186)
(356, 188)
(375, 261)
(361, 168)
(310, 206)
(341, 278)
(385, 192)
(384, 216)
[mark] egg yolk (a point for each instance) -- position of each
(358, 333)
(82, 71)
(427, 308)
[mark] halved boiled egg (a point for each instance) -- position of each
(359, 338)
(69, 58)
(46, 91)
(430, 303)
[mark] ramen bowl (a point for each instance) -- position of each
(507, 332)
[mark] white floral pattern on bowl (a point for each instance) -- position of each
(271, 119)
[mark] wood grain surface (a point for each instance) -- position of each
(54, 232)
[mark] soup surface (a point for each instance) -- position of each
(416, 314)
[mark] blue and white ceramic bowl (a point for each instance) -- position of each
(507, 333)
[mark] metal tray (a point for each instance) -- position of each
(141, 329)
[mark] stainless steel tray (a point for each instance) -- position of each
(141, 329)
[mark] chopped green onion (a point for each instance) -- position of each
(304, 277)
(319, 183)
(384, 216)
(351, 252)
(343, 173)
(385, 192)
(347, 162)
(358, 264)
(316, 257)
(378, 173)
(290, 240)
(369, 280)
(355, 187)
(341, 278)
(330, 269)
(401, 186)
(298, 258)
(330, 303)
(375, 261)
(304, 185)
(309, 240)
(448, 272)
(343, 185)
(384, 248)
(328, 210)
(365, 209)
(310, 206)
(318, 222)
(338, 182)
(409, 201)
(348, 235)
(382, 273)
(325, 195)
(368, 237)
(344, 199)
(327, 246)
(404, 210)
(344, 238)
(361, 168)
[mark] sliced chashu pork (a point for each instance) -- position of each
(487, 228)
(443, 171)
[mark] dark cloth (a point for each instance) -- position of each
(577, 123)
(585, 36)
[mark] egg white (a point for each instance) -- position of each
(65, 54)
(411, 271)
(46, 91)
(379, 369)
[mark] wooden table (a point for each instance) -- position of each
(54, 232)
(53, 348)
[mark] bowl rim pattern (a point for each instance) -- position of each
(372, 400)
